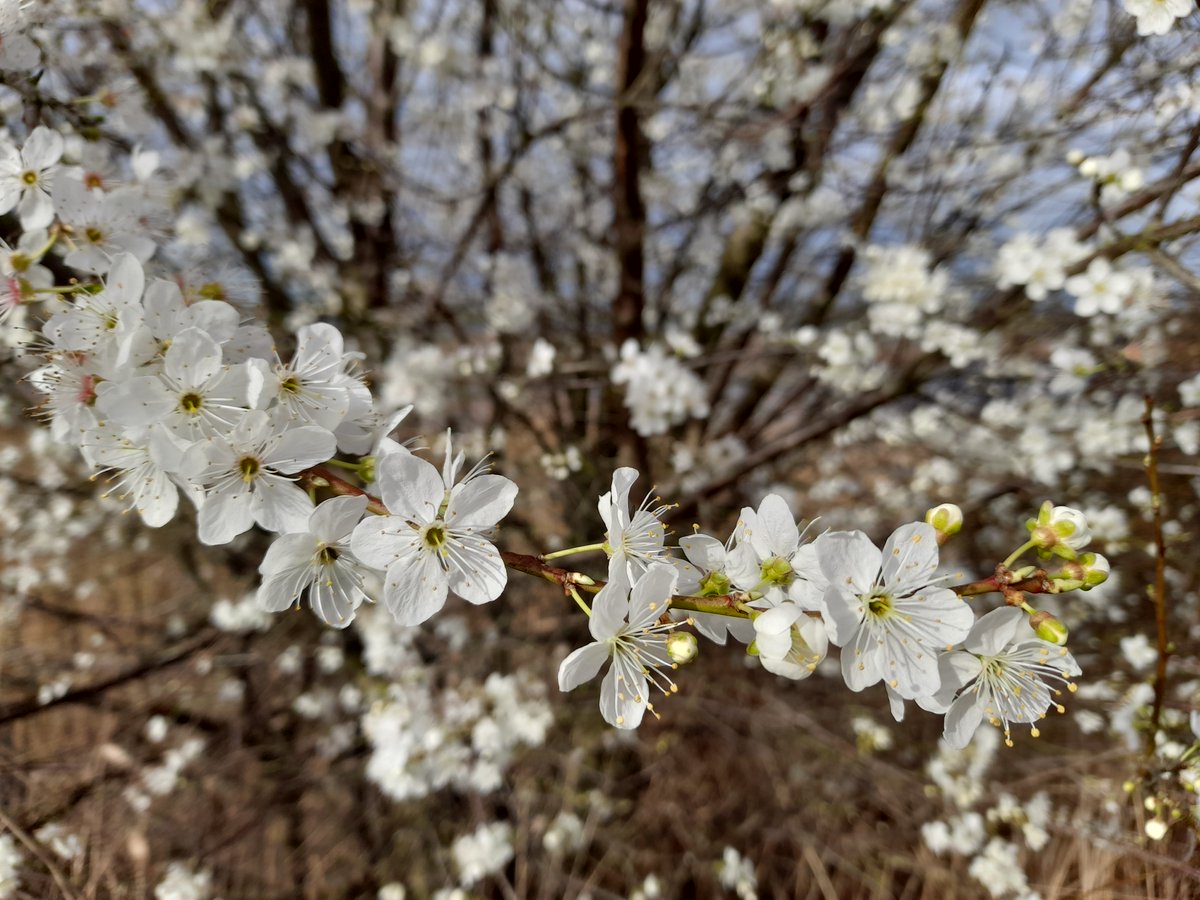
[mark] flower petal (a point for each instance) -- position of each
(410, 487)
(964, 717)
(777, 526)
(481, 502)
(704, 551)
(477, 572)
(335, 518)
(299, 448)
(910, 554)
(623, 695)
(415, 588)
(582, 665)
(288, 551)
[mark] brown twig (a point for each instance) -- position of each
(35, 847)
(1159, 593)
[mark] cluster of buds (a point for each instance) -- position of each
(1082, 573)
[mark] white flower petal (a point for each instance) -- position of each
(651, 594)
(610, 611)
(289, 551)
(623, 695)
(335, 518)
(481, 502)
(300, 448)
(410, 487)
(964, 717)
(582, 665)
(704, 551)
(843, 615)
(280, 505)
(192, 359)
(849, 560)
(224, 516)
(280, 591)
(415, 588)
(777, 526)
(910, 554)
(994, 630)
(381, 540)
(477, 572)
(36, 209)
(43, 148)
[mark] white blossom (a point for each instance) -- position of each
(319, 563)
(887, 610)
(434, 538)
(624, 623)
(1002, 675)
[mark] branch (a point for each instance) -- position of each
(902, 140)
(628, 210)
(1159, 593)
(26, 708)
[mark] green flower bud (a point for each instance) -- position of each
(1060, 530)
(1084, 572)
(946, 519)
(1049, 628)
(682, 647)
(1095, 570)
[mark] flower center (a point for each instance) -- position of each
(214, 290)
(434, 537)
(29, 177)
(290, 385)
(94, 234)
(191, 403)
(879, 605)
(249, 467)
(326, 555)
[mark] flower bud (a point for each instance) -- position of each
(1060, 530)
(682, 647)
(1049, 628)
(1084, 572)
(946, 519)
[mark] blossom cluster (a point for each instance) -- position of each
(172, 395)
(894, 618)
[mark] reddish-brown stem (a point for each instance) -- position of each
(1003, 582)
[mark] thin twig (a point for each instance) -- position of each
(35, 847)
(1160, 573)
